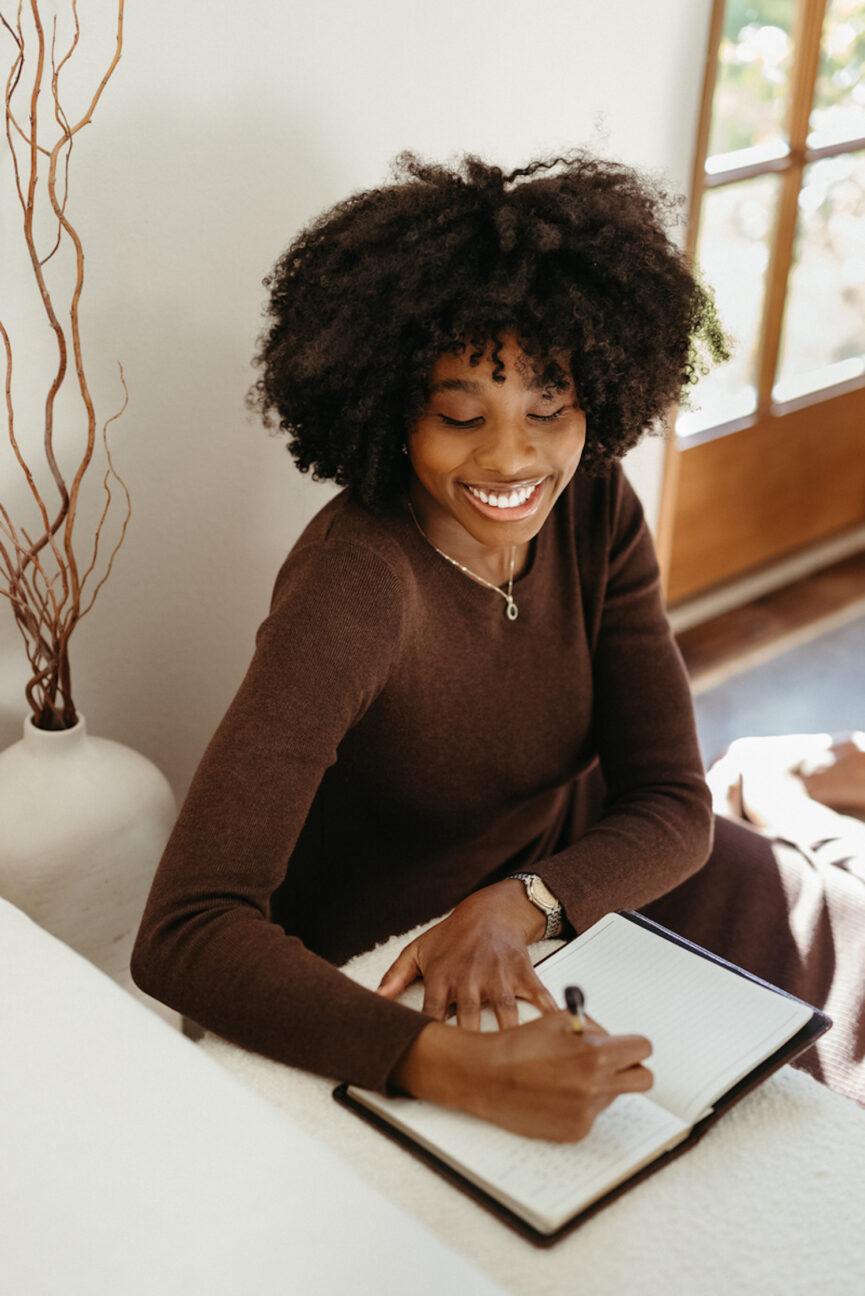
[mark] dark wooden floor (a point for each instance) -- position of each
(772, 623)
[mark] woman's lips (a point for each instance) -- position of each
(505, 512)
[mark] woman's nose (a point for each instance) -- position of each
(507, 449)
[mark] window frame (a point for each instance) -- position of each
(683, 505)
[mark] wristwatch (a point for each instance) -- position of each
(542, 898)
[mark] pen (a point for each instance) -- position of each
(576, 1002)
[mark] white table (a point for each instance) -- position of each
(132, 1165)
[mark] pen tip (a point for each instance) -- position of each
(574, 998)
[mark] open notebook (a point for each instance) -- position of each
(716, 1032)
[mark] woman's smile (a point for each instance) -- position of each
(506, 503)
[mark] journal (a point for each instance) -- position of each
(716, 1031)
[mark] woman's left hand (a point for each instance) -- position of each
(476, 957)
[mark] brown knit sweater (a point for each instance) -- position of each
(398, 743)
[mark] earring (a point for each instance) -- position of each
(404, 448)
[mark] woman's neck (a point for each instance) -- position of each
(493, 563)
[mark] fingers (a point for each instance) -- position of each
(503, 1001)
(400, 974)
(625, 1051)
(620, 1068)
(538, 994)
(469, 1012)
(498, 984)
(469, 1004)
(505, 1009)
(436, 1001)
(636, 1079)
(606, 1058)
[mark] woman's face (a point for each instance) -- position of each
(490, 459)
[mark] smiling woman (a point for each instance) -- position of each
(466, 699)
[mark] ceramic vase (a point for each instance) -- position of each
(83, 823)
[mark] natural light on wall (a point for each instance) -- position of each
(748, 160)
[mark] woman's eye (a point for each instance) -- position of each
(459, 423)
(548, 418)
(478, 418)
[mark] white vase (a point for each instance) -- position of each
(83, 823)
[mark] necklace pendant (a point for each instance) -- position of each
(511, 610)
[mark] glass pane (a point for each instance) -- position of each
(839, 100)
(733, 254)
(752, 91)
(824, 329)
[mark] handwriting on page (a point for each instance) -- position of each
(552, 1175)
(551, 1180)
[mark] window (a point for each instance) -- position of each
(778, 228)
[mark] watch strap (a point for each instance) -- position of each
(552, 912)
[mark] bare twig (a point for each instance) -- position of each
(62, 120)
(110, 472)
(39, 575)
(11, 30)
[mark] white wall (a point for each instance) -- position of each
(226, 127)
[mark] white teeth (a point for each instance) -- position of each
(512, 499)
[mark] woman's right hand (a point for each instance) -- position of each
(541, 1080)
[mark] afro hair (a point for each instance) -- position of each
(570, 253)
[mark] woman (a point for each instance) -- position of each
(466, 674)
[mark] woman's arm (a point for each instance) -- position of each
(656, 827)
(207, 945)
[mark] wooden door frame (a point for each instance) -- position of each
(817, 486)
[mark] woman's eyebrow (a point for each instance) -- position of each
(556, 385)
(476, 388)
(457, 384)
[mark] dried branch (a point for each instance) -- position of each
(62, 120)
(39, 573)
(11, 86)
(29, 214)
(16, 36)
(118, 50)
(110, 472)
(72, 48)
(13, 440)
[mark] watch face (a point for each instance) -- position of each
(542, 895)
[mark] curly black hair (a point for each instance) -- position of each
(570, 253)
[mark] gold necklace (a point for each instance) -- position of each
(511, 610)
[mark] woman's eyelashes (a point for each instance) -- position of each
(549, 418)
(473, 422)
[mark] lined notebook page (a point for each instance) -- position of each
(708, 1026)
(545, 1182)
